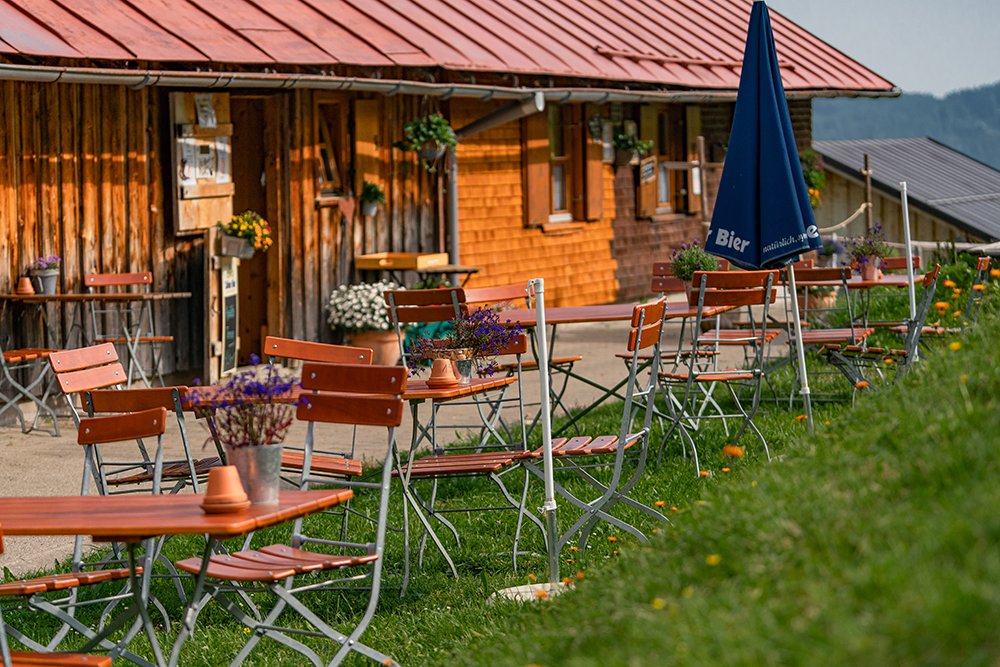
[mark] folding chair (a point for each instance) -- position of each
(353, 394)
(582, 455)
(127, 322)
(17, 363)
(34, 593)
(970, 314)
(715, 288)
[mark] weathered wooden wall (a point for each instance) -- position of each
(81, 177)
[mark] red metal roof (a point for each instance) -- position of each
(690, 43)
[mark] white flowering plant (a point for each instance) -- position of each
(360, 307)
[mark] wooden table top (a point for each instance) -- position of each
(134, 517)
(82, 296)
(611, 312)
(417, 390)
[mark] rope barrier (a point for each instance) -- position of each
(843, 224)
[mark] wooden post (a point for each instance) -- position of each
(868, 194)
(706, 215)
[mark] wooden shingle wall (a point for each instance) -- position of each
(578, 268)
(80, 177)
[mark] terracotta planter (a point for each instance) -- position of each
(383, 344)
(443, 375)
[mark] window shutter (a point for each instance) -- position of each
(535, 131)
(594, 170)
(693, 124)
(646, 196)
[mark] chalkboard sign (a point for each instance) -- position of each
(647, 170)
(230, 315)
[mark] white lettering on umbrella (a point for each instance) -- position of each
(728, 239)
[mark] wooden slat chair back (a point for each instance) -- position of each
(718, 288)
(360, 395)
(422, 307)
(86, 368)
(181, 471)
(898, 263)
(129, 324)
(328, 463)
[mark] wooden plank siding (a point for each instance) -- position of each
(80, 177)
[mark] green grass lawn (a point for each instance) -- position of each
(872, 542)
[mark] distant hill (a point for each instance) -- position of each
(966, 120)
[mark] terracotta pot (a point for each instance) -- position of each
(224, 492)
(383, 344)
(869, 269)
(24, 286)
(443, 375)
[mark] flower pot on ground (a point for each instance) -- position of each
(359, 310)
(244, 234)
(250, 416)
(44, 272)
(383, 344)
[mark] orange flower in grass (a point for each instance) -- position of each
(800, 418)
(612, 539)
(541, 594)
(955, 295)
(861, 385)
(955, 345)
(705, 473)
(995, 273)
(567, 581)
(979, 288)
(659, 503)
(950, 283)
(941, 306)
(733, 452)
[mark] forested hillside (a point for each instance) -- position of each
(966, 120)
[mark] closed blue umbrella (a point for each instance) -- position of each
(762, 217)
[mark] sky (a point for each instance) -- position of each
(922, 46)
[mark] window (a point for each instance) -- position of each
(563, 171)
(669, 127)
(331, 140)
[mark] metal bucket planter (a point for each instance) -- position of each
(369, 208)
(46, 280)
(260, 471)
(430, 152)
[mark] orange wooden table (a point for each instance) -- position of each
(131, 519)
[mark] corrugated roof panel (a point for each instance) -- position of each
(80, 36)
(936, 176)
(533, 37)
(142, 37)
(266, 32)
(364, 27)
(25, 35)
(324, 33)
(199, 29)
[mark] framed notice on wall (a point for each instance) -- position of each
(230, 315)
(202, 174)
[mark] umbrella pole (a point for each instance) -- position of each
(549, 507)
(800, 349)
(909, 251)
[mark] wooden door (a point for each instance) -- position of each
(250, 194)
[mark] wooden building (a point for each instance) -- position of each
(109, 157)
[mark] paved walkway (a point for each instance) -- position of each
(39, 464)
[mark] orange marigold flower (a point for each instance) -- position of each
(580, 575)
(941, 305)
(800, 418)
(567, 581)
(826, 423)
(570, 560)
(995, 273)
(861, 385)
(956, 313)
(955, 295)
(574, 548)
(950, 283)
(659, 503)
(531, 576)
(541, 594)
(673, 509)
(733, 451)
(979, 288)
(704, 473)
(725, 470)
(955, 345)
(888, 360)
(612, 539)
